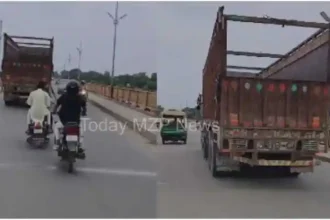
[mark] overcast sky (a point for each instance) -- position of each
(170, 38)
(72, 22)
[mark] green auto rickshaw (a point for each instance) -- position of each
(173, 126)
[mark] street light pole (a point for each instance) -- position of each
(79, 49)
(69, 62)
(115, 20)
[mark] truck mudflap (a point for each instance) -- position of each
(261, 162)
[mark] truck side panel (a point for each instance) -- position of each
(273, 103)
(312, 67)
(11, 49)
(214, 67)
(307, 62)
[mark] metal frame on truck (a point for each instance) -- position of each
(248, 121)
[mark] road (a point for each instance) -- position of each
(187, 190)
(116, 180)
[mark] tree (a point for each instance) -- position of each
(136, 80)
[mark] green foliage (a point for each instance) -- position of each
(191, 112)
(137, 80)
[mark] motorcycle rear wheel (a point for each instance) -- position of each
(70, 168)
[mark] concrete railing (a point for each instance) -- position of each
(135, 98)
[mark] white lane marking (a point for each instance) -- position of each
(119, 172)
(108, 171)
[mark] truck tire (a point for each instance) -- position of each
(163, 141)
(8, 103)
(212, 162)
(204, 148)
(293, 175)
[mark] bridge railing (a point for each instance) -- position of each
(135, 98)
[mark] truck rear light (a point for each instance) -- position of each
(233, 119)
(316, 122)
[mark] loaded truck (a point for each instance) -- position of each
(26, 61)
(276, 119)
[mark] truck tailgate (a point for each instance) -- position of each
(25, 73)
(247, 102)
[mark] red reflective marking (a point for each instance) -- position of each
(325, 91)
(225, 84)
(234, 85)
(271, 87)
(282, 87)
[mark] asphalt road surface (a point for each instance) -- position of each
(187, 190)
(116, 180)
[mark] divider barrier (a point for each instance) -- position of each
(135, 98)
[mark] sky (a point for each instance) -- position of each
(170, 38)
(73, 22)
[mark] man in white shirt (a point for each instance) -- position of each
(39, 102)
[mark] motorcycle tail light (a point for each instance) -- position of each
(71, 130)
(37, 125)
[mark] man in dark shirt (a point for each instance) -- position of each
(198, 108)
(72, 105)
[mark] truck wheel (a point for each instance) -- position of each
(8, 103)
(204, 149)
(185, 141)
(293, 175)
(163, 141)
(212, 162)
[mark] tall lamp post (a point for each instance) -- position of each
(69, 62)
(79, 49)
(115, 21)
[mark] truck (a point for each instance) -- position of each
(26, 61)
(275, 119)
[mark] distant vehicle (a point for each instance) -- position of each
(173, 126)
(61, 88)
(24, 64)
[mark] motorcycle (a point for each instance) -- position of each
(38, 133)
(84, 94)
(69, 144)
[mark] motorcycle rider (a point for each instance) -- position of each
(39, 102)
(71, 107)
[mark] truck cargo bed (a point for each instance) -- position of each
(247, 102)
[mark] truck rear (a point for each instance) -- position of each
(26, 61)
(256, 121)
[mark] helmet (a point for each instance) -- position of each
(72, 87)
(82, 82)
